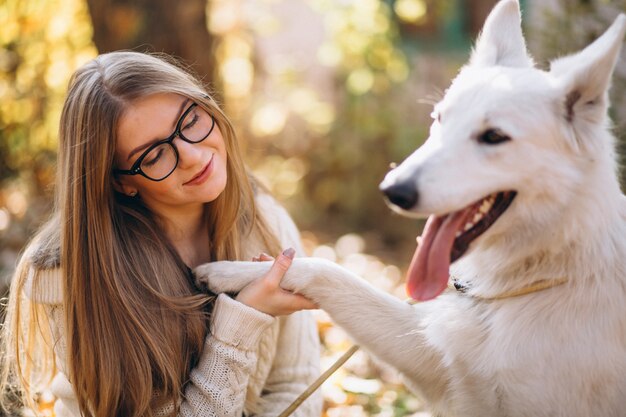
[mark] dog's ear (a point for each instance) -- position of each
(501, 41)
(586, 76)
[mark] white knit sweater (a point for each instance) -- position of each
(252, 363)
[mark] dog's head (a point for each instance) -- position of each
(505, 133)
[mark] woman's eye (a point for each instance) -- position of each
(153, 157)
(493, 137)
(192, 122)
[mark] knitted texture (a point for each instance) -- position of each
(251, 364)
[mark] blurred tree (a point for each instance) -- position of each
(331, 143)
(567, 26)
(41, 43)
(178, 28)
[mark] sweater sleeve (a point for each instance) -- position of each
(297, 361)
(295, 367)
(217, 385)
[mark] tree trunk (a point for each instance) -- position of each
(178, 28)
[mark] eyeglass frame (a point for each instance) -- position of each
(135, 169)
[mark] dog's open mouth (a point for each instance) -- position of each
(446, 238)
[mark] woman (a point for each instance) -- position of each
(150, 184)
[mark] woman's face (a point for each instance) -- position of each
(200, 175)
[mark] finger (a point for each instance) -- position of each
(304, 303)
(266, 257)
(297, 302)
(280, 266)
(262, 257)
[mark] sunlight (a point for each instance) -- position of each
(326, 252)
(411, 11)
(237, 74)
(268, 120)
(5, 219)
(360, 81)
(17, 203)
(349, 244)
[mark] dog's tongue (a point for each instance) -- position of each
(430, 267)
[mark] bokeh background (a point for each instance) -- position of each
(325, 95)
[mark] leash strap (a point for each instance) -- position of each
(323, 377)
(319, 381)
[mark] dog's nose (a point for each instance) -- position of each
(402, 194)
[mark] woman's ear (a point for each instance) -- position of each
(123, 187)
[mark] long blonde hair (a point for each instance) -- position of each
(134, 322)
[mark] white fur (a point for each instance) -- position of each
(557, 352)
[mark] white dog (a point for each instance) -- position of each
(519, 176)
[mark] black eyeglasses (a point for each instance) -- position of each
(161, 159)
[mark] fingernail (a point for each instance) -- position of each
(289, 253)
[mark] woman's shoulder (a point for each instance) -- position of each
(271, 209)
(279, 220)
(44, 285)
(42, 263)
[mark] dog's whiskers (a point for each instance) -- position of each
(432, 98)
(428, 100)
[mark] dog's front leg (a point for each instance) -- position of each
(229, 277)
(388, 327)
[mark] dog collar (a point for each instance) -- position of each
(544, 284)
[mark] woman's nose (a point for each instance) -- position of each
(189, 154)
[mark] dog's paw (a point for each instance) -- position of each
(306, 276)
(311, 277)
(227, 276)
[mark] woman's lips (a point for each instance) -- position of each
(203, 175)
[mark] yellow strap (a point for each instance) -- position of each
(541, 285)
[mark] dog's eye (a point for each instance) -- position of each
(493, 137)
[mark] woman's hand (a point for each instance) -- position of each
(266, 295)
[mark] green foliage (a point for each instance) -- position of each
(374, 119)
(41, 43)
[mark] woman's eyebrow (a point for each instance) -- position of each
(153, 141)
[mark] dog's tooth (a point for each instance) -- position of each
(468, 226)
(457, 234)
(477, 218)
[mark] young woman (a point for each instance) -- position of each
(103, 306)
